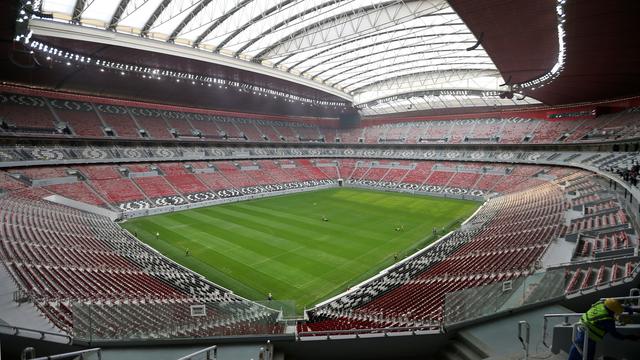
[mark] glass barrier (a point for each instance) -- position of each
(287, 308)
(478, 302)
(169, 319)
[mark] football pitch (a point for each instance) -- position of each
(302, 248)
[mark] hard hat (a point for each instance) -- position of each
(613, 305)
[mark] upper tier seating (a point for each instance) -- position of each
(439, 130)
(553, 131)
(287, 133)
(181, 124)
(152, 122)
(84, 122)
(26, 114)
(308, 133)
(118, 119)
(39, 116)
(267, 131)
(207, 128)
(516, 130)
(230, 129)
(485, 130)
(250, 131)
(459, 132)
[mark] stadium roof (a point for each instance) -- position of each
(412, 53)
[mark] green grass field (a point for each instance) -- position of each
(281, 244)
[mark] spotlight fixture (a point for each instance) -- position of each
(506, 95)
(67, 57)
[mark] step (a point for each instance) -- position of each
(450, 353)
(465, 350)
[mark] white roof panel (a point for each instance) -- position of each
(352, 45)
(101, 11)
(137, 13)
(58, 6)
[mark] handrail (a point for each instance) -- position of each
(634, 297)
(208, 351)
(590, 261)
(635, 292)
(527, 336)
(566, 317)
(16, 330)
(28, 353)
(369, 331)
(73, 354)
(584, 349)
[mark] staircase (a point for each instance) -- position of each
(460, 348)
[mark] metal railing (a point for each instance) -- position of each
(527, 337)
(435, 328)
(584, 348)
(634, 294)
(81, 354)
(545, 325)
(207, 351)
(172, 320)
(39, 334)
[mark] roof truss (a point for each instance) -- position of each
(354, 46)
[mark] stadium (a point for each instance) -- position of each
(318, 179)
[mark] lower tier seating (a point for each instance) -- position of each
(146, 185)
(412, 293)
(93, 280)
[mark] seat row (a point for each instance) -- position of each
(598, 275)
(414, 291)
(45, 116)
(172, 183)
(90, 278)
